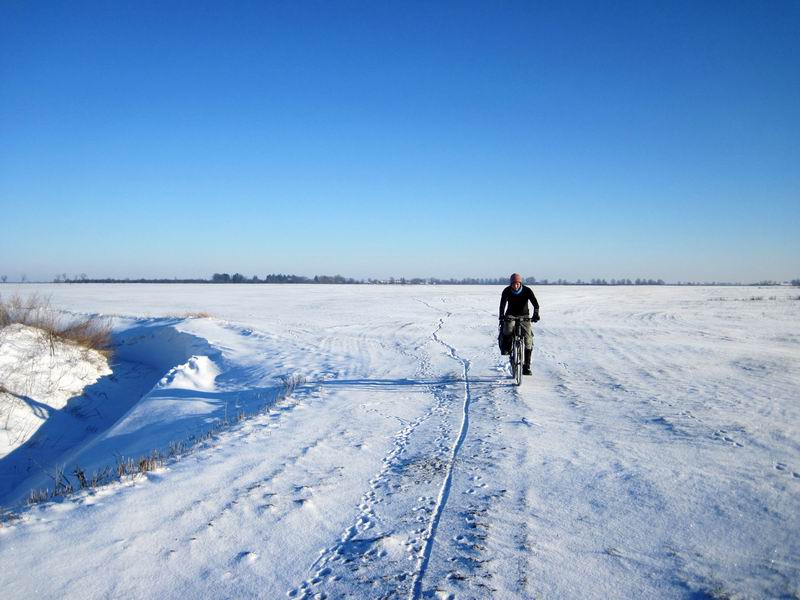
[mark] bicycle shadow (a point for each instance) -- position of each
(409, 384)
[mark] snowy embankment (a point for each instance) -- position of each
(163, 393)
(39, 374)
(654, 453)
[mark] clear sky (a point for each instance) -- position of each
(559, 139)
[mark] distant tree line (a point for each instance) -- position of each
(339, 279)
(281, 278)
(130, 280)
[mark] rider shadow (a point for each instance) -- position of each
(406, 384)
(39, 409)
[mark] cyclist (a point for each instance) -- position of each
(516, 297)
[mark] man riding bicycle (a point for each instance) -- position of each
(516, 297)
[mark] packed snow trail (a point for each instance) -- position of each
(654, 453)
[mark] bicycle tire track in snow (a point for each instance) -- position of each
(444, 493)
(387, 529)
(397, 517)
(357, 544)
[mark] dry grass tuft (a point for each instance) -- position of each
(7, 516)
(197, 315)
(93, 332)
(36, 311)
(290, 382)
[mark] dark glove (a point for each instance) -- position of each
(535, 317)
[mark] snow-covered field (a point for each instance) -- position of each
(655, 452)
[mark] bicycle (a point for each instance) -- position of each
(517, 346)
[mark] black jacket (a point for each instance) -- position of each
(517, 303)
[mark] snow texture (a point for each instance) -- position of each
(654, 453)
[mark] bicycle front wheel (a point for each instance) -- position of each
(517, 366)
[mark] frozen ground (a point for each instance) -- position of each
(655, 452)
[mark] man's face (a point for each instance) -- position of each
(516, 283)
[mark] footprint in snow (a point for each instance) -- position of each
(246, 557)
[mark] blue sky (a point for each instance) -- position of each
(559, 139)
